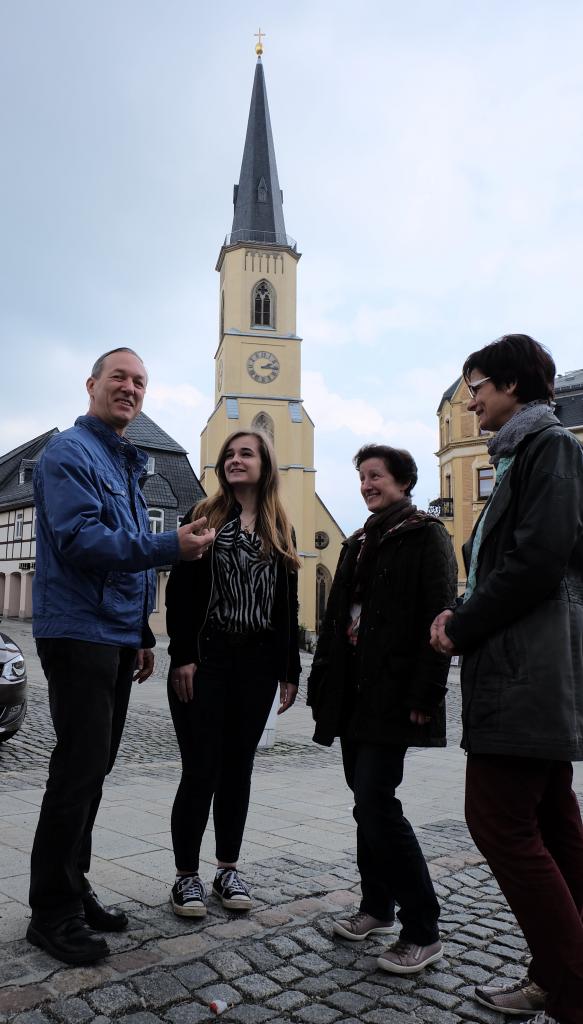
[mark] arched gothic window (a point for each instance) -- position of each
(263, 305)
(264, 422)
(323, 586)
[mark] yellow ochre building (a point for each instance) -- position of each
(465, 474)
(258, 359)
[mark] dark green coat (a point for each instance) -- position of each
(414, 578)
(521, 632)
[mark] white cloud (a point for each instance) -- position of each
(402, 414)
(432, 175)
(168, 396)
(360, 417)
(20, 429)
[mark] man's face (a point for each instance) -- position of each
(117, 395)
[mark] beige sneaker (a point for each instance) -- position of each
(360, 926)
(407, 958)
(516, 998)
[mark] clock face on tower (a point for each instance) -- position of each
(263, 367)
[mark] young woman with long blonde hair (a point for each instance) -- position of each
(232, 619)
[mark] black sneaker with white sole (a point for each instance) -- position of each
(188, 896)
(231, 890)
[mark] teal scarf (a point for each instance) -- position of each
(504, 464)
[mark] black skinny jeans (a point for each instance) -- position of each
(89, 690)
(390, 861)
(218, 732)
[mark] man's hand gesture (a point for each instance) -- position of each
(194, 539)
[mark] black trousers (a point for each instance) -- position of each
(391, 865)
(218, 732)
(89, 690)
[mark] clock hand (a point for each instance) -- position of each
(269, 366)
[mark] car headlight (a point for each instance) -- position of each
(13, 671)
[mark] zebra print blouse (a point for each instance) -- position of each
(243, 584)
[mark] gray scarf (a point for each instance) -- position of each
(506, 441)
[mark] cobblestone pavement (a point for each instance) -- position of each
(279, 963)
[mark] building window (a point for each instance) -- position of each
(262, 191)
(485, 482)
(264, 423)
(151, 465)
(232, 408)
(25, 471)
(447, 489)
(323, 587)
(18, 524)
(156, 517)
(263, 306)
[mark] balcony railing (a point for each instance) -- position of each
(261, 238)
(441, 507)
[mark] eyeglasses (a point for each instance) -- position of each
(475, 386)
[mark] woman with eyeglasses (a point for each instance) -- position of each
(232, 619)
(378, 685)
(520, 630)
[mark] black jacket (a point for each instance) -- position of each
(397, 671)
(521, 631)
(188, 595)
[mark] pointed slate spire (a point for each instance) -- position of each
(258, 199)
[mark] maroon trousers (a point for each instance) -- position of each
(524, 817)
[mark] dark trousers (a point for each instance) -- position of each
(391, 865)
(218, 732)
(89, 690)
(524, 817)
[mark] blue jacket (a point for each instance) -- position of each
(93, 541)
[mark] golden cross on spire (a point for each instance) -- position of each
(259, 46)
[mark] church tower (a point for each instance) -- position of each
(258, 359)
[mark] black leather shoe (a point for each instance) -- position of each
(101, 918)
(71, 941)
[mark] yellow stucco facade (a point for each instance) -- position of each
(258, 383)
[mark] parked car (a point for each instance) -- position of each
(13, 688)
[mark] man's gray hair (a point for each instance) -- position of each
(97, 369)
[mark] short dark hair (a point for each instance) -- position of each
(398, 461)
(516, 359)
(97, 368)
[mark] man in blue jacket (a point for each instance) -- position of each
(94, 589)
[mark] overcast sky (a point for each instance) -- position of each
(431, 157)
